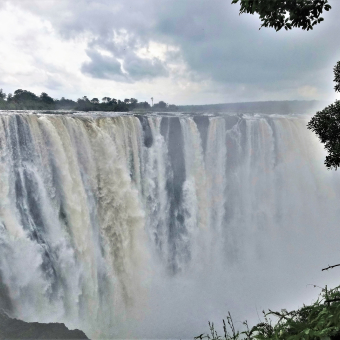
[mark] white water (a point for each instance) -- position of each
(149, 227)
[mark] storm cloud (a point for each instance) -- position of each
(116, 58)
(195, 42)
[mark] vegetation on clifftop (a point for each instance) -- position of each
(26, 100)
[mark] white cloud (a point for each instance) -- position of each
(32, 54)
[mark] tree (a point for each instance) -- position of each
(326, 124)
(65, 104)
(336, 70)
(23, 96)
(46, 99)
(2, 95)
(286, 13)
(173, 107)
(106, 100)
(143, 105)
(95, 101)
(160, 105)
(121, 106)
(133, 103)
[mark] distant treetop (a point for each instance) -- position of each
(26, 100)
(2, 95)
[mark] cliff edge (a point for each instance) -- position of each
(17, 329)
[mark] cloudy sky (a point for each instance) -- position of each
(179, 51)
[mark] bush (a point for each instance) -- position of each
(320, 320)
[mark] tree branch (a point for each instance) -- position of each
(330, 267)
(332, 300)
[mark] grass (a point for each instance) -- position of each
(320, 320)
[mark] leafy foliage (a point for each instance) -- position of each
(286, 13)
(321, 320)
(336, 70)
(326, 124)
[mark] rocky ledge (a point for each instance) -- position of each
(17, 329)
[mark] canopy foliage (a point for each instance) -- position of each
(326, 124)
(286, 13)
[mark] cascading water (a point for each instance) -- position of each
(149, 226)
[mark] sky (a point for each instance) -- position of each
(179, 51)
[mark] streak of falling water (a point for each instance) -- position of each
(156, 170)
(194, 188)
(215, 165)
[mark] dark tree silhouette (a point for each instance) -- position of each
(337, 77)
(65, 104)
(160, 105)
(24, 96)
(326, 124)
(286, 13)
(2, 95)
(133, 103)
(106, 99)
(46, 99)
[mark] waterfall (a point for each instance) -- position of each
(151, 225)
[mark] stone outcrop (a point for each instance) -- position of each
(17, 329)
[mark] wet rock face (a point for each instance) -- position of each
(17, 329)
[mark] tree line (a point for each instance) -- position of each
(26, 100)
